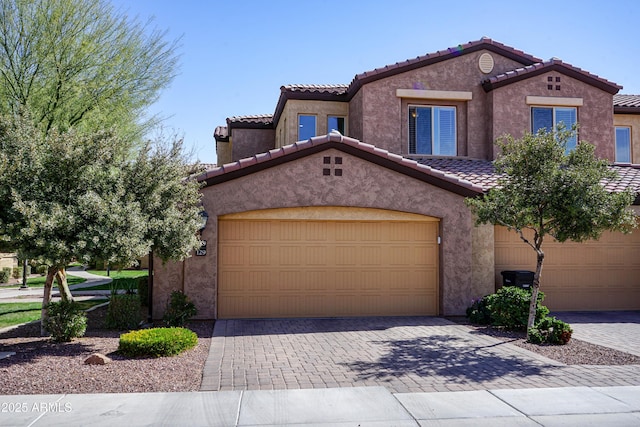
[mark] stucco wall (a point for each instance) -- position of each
(248, 142)
(384, 119)
(287, 129)
(8, 260)
(632, 121)
(223, 152)
(355, 116)
(512, 115)
(363, 184)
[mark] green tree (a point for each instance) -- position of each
(72, 196)
(81, 64)
(547, 191)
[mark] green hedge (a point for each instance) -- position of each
(157, 342)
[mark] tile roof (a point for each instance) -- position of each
(553, 64)
(479, 172)
(626, 104)
(336, 140)
(441, 55)
(221, 134)
(258, 121)
(317, 89)
(465, 176)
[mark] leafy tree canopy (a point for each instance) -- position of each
(547, 191)
(82, 64)
(68, 196)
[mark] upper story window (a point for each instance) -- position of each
(432, 130)
(335, 123)
(306, 127)
(623, 144)
(549, 117)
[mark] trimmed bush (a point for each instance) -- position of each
(179, 309)
(17, 271)
(479, 312)
(5, 275)
(143, 290)
(157, 342)
(509, 307)
(550, 330)
(123, 312)
(67, 320)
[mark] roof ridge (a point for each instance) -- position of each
(539, 67)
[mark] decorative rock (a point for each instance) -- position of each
(97, 359)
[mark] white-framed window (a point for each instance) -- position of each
(550, 117)
(623, 144)
(306, 127)
(432, 130)
(336, 123)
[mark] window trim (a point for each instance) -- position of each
(615, 130)
(455, 129)
(344, 130)
(553, 109)
(315, 125)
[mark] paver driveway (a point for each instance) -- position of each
(403, 354)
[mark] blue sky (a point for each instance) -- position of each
(236, 55)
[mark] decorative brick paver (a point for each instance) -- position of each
(403, 354)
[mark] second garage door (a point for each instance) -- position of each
(327, 262)
(594, 275)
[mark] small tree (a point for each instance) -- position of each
(68, 196)
(548, 191)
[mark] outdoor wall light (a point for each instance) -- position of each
(204, 217)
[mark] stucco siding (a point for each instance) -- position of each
(512, 114)
(248, 142)
(385, 122)
(287, 129)
(632, 121)
(362, 184)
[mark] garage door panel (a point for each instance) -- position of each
(594, 275)
(356, 271)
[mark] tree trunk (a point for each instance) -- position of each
(534, 292)
(63, 286)
(46, 298)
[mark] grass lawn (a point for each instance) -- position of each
(16, 313)
(38, 282)
(124, 284)
(122, 274)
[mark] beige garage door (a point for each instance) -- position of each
(327, 262)
(594, 275)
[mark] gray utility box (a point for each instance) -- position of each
(520, 278)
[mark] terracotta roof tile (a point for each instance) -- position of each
(221, 134)
(441, 55)
(251, 119)
(626, 101)
(553, 64)
(479, 172)
(313, 88)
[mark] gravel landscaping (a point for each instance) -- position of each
(575, 352)
(43, 367)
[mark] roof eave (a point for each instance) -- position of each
(611, 88)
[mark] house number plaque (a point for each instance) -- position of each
(202, 250)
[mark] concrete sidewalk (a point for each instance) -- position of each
(362, 406)
(35, 294)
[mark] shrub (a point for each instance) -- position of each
(157, 342)
(143, 290)
(179, 309)
(509, 307)
(123, 312)
(479, 312)
(66, 321)
(5, 275)
(42, 270)
(550, 330)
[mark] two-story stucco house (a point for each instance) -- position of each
(348, 200)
